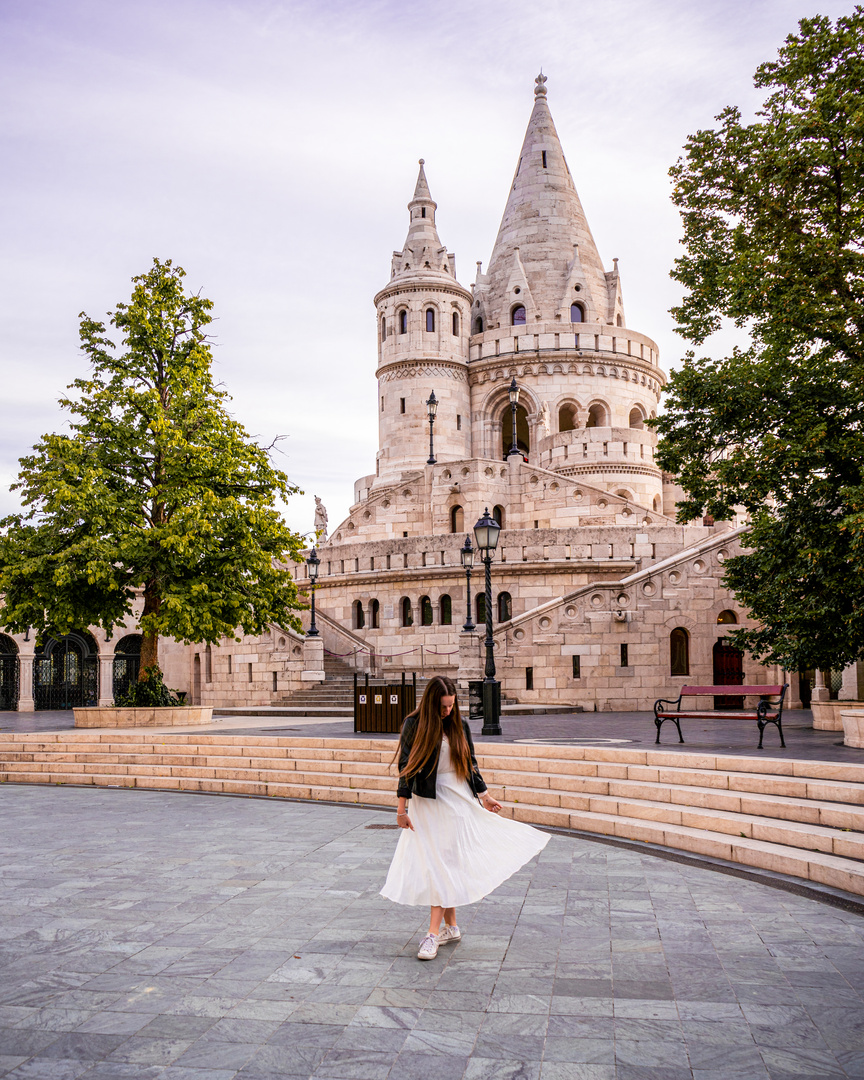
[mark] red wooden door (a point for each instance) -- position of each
(728, 671)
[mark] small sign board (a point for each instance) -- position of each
(394, 699)
(362, 699)
(379, 698)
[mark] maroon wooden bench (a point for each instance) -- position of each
(765, 712)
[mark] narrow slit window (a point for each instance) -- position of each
(455, 324)
(577, 667)
(625, 660)
(430, 320)
(544, 158)
(458, 422)
(401, 404)
(403, 322)
(529, 678)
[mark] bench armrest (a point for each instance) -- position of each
(667, 701)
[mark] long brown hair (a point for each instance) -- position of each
(431, 727)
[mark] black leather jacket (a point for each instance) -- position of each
(423, 783)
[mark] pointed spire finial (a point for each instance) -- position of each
(540, 88)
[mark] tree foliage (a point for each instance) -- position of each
(156, 492)
(773, 215)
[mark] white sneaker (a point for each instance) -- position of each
(428, 948)
(449, 933)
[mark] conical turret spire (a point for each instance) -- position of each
(545, 231)
(423, 251)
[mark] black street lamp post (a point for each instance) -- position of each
(432, 406)
(467, 556)
(313, 562)
(513, 394)
(486, 536)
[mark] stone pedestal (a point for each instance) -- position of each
(313, 660)
(820, 691)
(853, 727)
(849, 689)
(26, 702)
(106, 681)
(471, 660)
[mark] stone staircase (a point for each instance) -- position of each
(802, 818)
(333, 697)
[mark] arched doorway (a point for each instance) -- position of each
(728, 671)
(127, 663)
(66, 672)
(9, 674)
(523, 438)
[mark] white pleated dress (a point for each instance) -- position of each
(458, 852)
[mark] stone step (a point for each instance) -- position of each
(839, 807)
(575, 775)
(821, 819)
(827, 868)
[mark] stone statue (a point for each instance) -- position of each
(320, 519)
(547, 418)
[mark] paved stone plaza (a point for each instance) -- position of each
(186, 937)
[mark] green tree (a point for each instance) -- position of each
(773, 215)
(156, 494)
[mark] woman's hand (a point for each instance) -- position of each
(404, 822)
(490, 804)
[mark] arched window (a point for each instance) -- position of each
(454, 323)
(498, 514)
(457, 519)
(727, 617)
(480, 605)
(620, 321)
(596, 416)
(567, 418)
(403, 321)
(445, 608)
(359, 619)
(478, 326)
(383, 328)
(637, 417)
(577, 313)
(679, 652)
(426, 615)
(522, 431)
(407, 614)
(127, 663)
(208, 664)
(517, 316)
(505, 607)
(430, 320)
(656, 504)
(374, 610)
(9, 674)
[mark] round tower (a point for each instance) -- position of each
(423, 328)
(548, 313)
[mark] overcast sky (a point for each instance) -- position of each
(270, 149)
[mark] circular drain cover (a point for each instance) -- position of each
(575, 742)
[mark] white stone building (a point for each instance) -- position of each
(600, 600)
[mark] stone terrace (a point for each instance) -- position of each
(152, 935)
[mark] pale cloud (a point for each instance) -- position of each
(270, 149)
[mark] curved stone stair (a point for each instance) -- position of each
(802, 818)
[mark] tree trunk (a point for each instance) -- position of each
(149, 640)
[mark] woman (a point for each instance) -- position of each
(451, 851)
